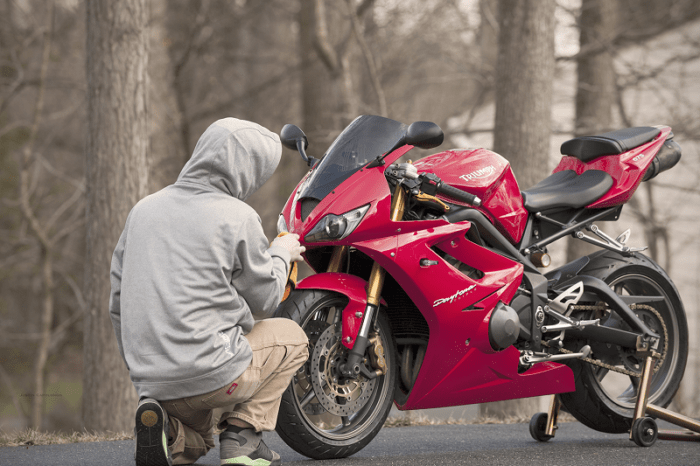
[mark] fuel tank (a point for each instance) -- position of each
(487, 175)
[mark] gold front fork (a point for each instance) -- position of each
(337, 259)
(376, 277)
(351, 368)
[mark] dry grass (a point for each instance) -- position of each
(409, 419)
(29, 437)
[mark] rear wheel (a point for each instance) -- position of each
(604, 399)
(322, 415)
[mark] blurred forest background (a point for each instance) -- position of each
(318, 64)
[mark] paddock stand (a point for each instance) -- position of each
(644, 431)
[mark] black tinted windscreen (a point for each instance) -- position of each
(362, 141)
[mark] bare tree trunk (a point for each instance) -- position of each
(181, 78)
(595, 91)
(488, 35)
(523, 112)
(117, 177)
(524, 86)
(167, 151)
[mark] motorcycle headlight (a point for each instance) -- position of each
(334, 227)
(281, 225)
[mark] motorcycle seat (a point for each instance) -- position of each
(566, 189)
(587, 148)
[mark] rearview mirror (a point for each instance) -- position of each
(291, 135)
(424, 134)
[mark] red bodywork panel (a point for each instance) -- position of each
(460, 367)
(351, 286)
(627, 169)
(486, 175)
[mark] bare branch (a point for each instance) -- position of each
(77, 291)
(637, 77)
(77, 195)
(17, 85)
(322, 43)
(248, 95)
(369, 59)
(633, 35)
(619, 97)
(676, 187)
(13, 126)
(70, 226)
(11, 390)
(58, 335)
(363, 7)
(192, 39)
(18, 257)
(25, 187)
(27, 153)
(79, 184)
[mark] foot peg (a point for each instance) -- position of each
(531, 357)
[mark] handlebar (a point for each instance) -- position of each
(458, 194)
(431, 184)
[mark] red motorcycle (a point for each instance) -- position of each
(428, 291)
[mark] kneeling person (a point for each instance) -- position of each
(190, 274)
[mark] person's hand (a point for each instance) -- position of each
(290, 242)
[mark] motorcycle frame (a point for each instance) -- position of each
(460, 366)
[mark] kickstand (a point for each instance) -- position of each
(552, 415)
(644, 431)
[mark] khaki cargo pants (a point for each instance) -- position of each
(280, 347)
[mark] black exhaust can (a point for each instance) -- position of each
(667, 157)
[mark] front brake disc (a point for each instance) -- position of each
(338, 396)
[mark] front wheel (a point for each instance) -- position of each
(322, 415)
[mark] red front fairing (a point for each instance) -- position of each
(460, 367)
(367, 186)
(627, 169)
(488, 176)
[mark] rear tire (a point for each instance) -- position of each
(596, 403)
(313, 430)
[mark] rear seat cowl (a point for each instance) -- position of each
(587, 148)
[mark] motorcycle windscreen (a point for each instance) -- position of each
(365, 139)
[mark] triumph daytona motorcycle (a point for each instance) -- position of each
(429, 292)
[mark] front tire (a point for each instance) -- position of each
(604, 400)
(346, 415)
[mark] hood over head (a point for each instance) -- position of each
(233, 156)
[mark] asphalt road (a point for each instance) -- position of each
(470, 445)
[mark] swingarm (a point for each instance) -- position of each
(560, 310)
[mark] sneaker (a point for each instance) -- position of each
(151, 433)
(245, 447)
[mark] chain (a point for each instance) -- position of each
(615, 368)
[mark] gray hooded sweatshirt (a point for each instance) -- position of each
(193, 268)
